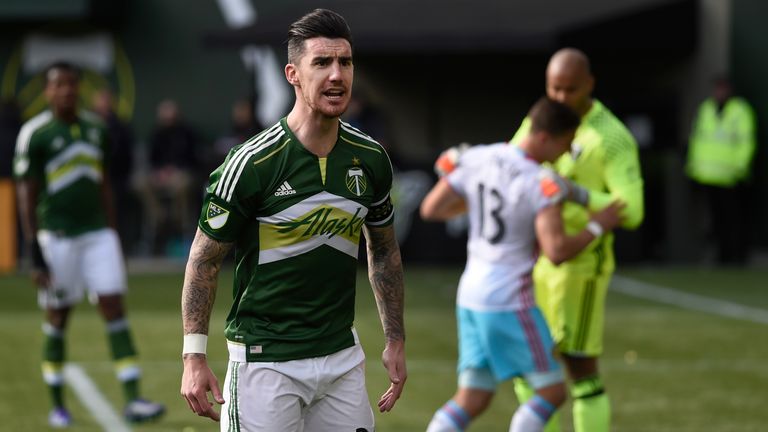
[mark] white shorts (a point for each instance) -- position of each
(91, 261)
(320, 394)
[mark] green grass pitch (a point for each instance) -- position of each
(666, 368)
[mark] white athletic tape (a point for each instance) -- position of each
(195, 343)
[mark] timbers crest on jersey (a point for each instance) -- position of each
(57, 143)
(356, 182)
(216, 216)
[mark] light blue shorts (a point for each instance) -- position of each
(508, 344)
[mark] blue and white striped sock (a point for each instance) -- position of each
(450, 418)
(532, 416)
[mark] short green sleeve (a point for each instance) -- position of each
(29, 160)
(227, 203)
(381, 211)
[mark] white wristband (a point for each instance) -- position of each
(195, 343)
(595, 228)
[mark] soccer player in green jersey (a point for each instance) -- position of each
(68, 223)
(293, 202)
(603, 158)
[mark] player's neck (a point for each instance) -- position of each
(316, 133)
(66, 116)
(586, 108)
(528, 150)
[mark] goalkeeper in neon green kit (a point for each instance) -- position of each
(572, 295)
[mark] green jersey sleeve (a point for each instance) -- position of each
(381, 211)
(229, 201)
(29, 161)
(623, 177)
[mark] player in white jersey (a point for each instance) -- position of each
(514, 213)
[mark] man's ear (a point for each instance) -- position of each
(291, 74)
(591, 83)
(541, 138)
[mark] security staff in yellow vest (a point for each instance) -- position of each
(721, 147)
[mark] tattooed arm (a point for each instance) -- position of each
(200, 281)
(385, 272)
(197, 297)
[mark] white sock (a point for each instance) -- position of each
(440, 423)
(525, 420)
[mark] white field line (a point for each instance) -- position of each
(93, 400)
(685, 300)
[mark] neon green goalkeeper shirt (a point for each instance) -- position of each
(603, 158)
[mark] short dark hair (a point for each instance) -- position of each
(553, 117)
(318, 23)
(62, 66)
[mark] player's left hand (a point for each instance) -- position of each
(394, 361)
(197, 381)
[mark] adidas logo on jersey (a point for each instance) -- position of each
(285, 189)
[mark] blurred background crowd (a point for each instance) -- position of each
(180, 83)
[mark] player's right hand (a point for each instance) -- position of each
(40, 274)
(609, 217)
(448, 159)
(196, 381)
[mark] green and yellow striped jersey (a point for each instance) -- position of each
(67, 160)
(296, 222)
(603, 158)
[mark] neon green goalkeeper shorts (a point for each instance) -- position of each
(573, 304)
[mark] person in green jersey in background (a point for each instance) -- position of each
(69, 226)
(293, 202)
(722, 144)
(604, 158)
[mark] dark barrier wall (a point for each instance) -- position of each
(749, 70)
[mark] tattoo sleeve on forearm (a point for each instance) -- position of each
(385, 271)
(200, 281)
